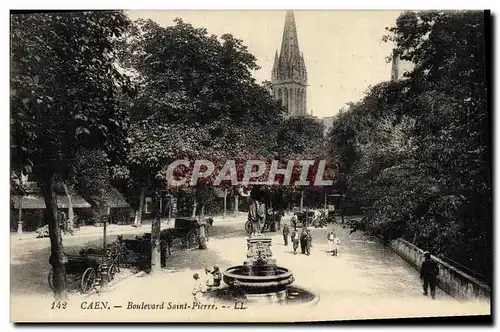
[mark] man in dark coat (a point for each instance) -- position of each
(429, 273)
(286, 231)
(303, 240)
(308, 242)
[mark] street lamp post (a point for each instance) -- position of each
(342, 201)
(104, 265)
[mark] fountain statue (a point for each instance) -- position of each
(259, 277)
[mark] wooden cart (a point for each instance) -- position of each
(82, 271)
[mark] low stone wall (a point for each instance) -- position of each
(453, 281)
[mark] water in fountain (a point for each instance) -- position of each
(260, 279)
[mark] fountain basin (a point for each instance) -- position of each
(290, 296)
(237, 276)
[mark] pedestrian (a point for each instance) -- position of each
(308, 242)
(303, 236)
(199, 289)
(293, 221)
(429, 273)
(279, 215)
(209, 279)
(295, 240)
(286, 231)
(217, 276)
(336, 245)
(330, 238)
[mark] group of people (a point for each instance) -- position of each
(333, 243)
(304, 238)
(213, 279)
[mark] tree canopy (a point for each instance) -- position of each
(417, 151)
(65, 92)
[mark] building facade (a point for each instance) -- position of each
(328, 123)
(289, 75)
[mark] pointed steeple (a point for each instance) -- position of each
(303, 65)
(290, 42)
(289, 75)
(274, 74)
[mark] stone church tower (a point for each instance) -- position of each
(289, 76)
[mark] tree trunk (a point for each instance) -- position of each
(301, 201)
(170, 205)
(202, 240)
(20, 216)
(225, 202)
(155, 237)
(202, 236)
(70, 208)
(193, 215)
(140, 212)
(57, 258)
(236, 202)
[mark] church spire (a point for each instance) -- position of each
(290, 42)
(289, 75)
(274, 74)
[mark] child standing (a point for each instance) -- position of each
(336, 245)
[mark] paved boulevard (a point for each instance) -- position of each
(365, 281)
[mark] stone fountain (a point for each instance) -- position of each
(259, 279)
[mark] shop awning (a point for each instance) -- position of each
(112, 198)
(117, 201)
(37, 202)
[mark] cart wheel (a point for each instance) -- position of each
(88, 280)
(191, 240)
(112, 270)
(51, 279)
(249, 227)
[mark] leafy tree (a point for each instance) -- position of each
(197, 100)
(301, 138)
(418, 150)
(64, 88)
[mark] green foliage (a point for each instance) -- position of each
(416, 152)
(65, 96)
(300, 136)
(197, 100)
(64, 88)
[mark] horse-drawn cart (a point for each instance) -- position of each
(83, 271)
(187, 230)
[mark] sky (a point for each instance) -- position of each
(343, 50)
